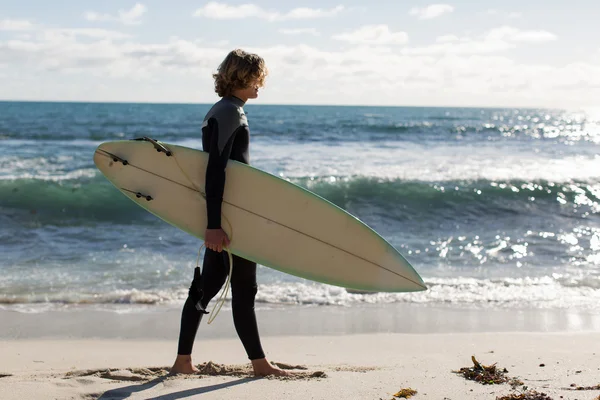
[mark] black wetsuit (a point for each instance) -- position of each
(225, 135)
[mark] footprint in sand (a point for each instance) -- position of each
(126, 374)
(207, 369)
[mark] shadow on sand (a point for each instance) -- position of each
(125, 392)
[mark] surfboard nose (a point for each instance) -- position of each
(409, 281)
(415, 279)
(99, 157)
(419, 281)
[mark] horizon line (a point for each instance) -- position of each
(284, 104)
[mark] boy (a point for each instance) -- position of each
(225, 135)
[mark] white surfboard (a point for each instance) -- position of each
(269, 220)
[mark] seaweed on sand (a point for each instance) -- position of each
(577, 387)
(527, 395)
(405, 393)
(487, 374)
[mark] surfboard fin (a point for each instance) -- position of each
(114, 157)
(157, 145)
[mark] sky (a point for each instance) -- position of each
(399, 53)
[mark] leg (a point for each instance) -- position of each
(243, 293)
(213, 276)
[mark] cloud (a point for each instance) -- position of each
(61, 49)
(447, 38)
(494, 41)
(180, 70)
(223, 11)
(15, 25)
(93, 33)
(300, 31)
(512, 34)
(512, 14)
(450, 44)
(127, 17)
(66, 50)
(99, 52)
(306, 13)
(390, 76)
(374, 35)
(431, 11)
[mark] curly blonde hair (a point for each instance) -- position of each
(239, 70)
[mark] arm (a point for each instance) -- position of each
(220, 147)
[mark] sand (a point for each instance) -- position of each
(348, 366)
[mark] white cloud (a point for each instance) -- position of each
(217, 10)
(223, 11)
(300, 31)
(93, 33)
(512, 34)
(179, 70)
(15, 25)
(494, 41)
(127, 17)
(306, 13)
(374, 35)
(512, 14)
(431, 11)
(98, 52)
(447, 38)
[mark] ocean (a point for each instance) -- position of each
(494, 208)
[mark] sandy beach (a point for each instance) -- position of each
(339, 365)
(420, 209)
(372, 366)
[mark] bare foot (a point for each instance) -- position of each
(183, 365)
(262, 367)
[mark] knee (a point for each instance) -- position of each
(196, 292)
(243, 296)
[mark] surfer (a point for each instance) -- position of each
(225, 135)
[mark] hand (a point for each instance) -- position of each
(214, 239)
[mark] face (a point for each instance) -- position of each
(251, 92)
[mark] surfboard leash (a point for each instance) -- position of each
(162, 148)
(221, 301)
(225, 291)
